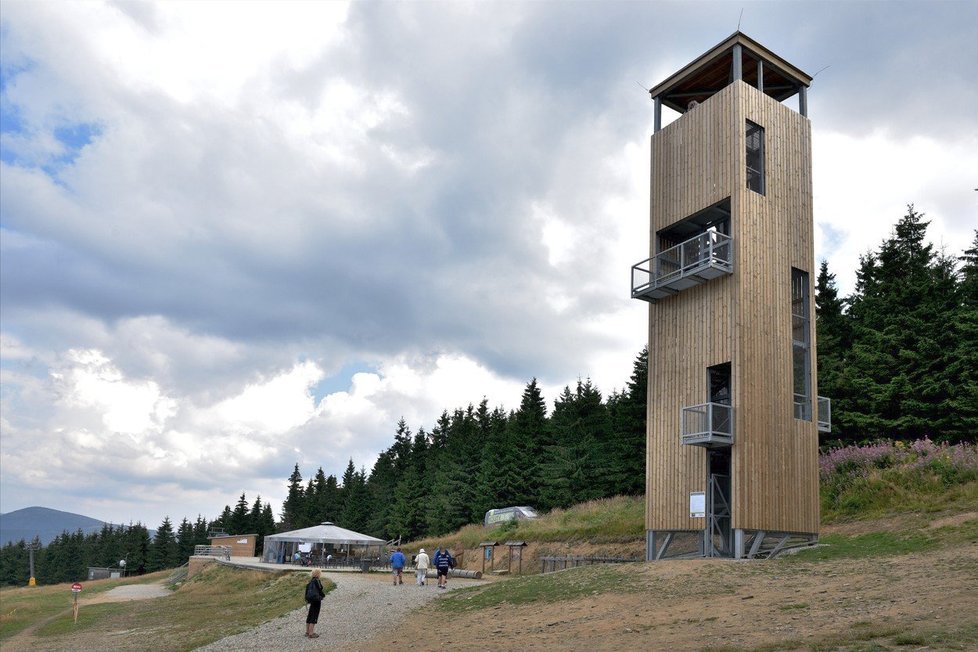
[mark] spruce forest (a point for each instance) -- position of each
(898, 358)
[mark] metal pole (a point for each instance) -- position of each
(32, 546)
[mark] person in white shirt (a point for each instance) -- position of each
(421, 566)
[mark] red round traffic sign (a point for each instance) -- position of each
(76, 587)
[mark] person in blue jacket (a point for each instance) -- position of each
(397, 566)
(443, 562)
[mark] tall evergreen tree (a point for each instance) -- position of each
(894, 382)
(267, 521)
(201, 531)
(262, 524)
(238, 522)
(577, 466)
(528, 435)
(354, 513)
(292, 508)
(164, 551)
(381, 487)
(454, 457)
(833, 338)
(185, 540)
(500, 476)
(223, 522)
(407, 518)
(315, 498)
(137, 543)
(628, 413)
(963, 367)
(14, 564)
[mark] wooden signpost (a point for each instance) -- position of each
(75, 590)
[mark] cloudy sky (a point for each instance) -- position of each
(237, 236)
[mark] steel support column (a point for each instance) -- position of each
(738, 544)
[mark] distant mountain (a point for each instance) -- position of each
(43, 522)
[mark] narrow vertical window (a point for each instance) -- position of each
(755, 157)
(801, 345)
(718, 377)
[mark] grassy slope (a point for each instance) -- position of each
(218, 602)
(21, 607)
(609, 520)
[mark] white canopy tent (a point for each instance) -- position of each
(322, 540)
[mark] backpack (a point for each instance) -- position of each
(312, 592)
(451, 561)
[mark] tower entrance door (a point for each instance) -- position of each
(718, 541)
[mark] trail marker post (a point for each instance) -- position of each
(75, 590)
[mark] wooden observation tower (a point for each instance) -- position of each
(733, 410)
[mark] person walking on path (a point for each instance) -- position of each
(421, 566)
(443, 562)
(314, 596)
(397, 566)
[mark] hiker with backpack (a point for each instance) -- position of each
(314, 596)
(444, 562)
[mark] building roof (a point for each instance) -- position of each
(710, 72)
(231, 536)
(326, 533)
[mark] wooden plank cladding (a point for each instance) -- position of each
(692, 168)
(743, 318)
(774, 463)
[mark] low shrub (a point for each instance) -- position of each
(873, 479)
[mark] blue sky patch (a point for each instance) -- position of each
(340, 381)
(11, 120)
(74, 138)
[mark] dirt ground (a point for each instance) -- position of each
(726, 604)
(709, 605)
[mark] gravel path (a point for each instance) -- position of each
(136, 592)
(357, 609)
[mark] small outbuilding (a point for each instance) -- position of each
(239, 545)
(323, 544)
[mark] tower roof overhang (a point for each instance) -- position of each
(712, 71)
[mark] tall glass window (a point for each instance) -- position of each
(755, 157)
(801, 344)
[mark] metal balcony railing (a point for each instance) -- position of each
(689, 263)
(803, 407)
(709, 424)
(224, 552)
(824, 414)
(803, 410)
